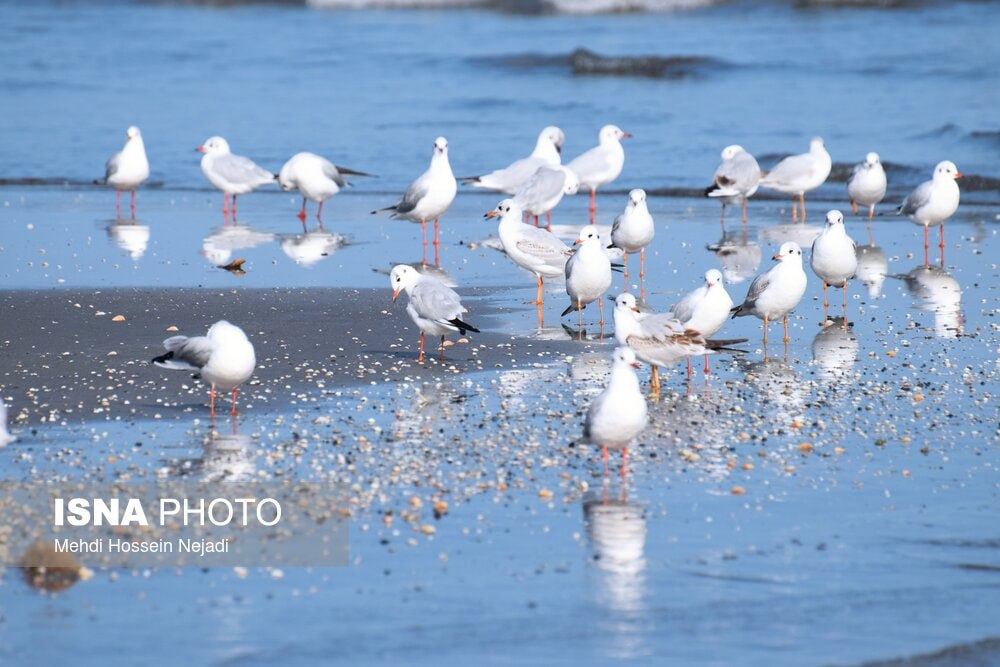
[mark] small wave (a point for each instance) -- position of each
(584, 62)
(982, 652)
(524, 6)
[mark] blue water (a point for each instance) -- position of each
(885, 550)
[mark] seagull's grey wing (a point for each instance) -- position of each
(436, 301)
(571, 262)
(185, 353)
(544, 184)
(330, 171)
(239, 169)
(418, 190)
(616, 225)
(757, 288)
(792, 168)
(659, 326)
(111, 168)
(684, 309)
(595, 407)
(591, 161)
(542, 244)
(917, 198)
(743, 171)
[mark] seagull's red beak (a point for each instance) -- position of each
(958, 175)
(491, 214)
(578, 242)
(395, 293)
(636, 309)
(626, 135)
(777, 257)
(200, 149)
(635, 364)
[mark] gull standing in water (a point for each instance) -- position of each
(127, 169)
(933, 202)
(543, 191)
(510, 179)
(867, 186)
(588, 274)
(833, 258)
(736, 180)
(541, 252)
(233, 174)
(777, 292)
(798, 174)
(316, 178)
(434, 307)
(632, 231)
(429, 196)
(223, 357)
(601, 164)
(705, 309)
(619, 414)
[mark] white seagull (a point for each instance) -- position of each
(798, 174)
(704, 309)
(510, 179)
(429, 196)
(223, 357)
(656, 338)
(588, 273)
(5, 437)
(434, 307)
(774, 294)
(736, 179)
(233, 174)
(543, 191)
(632, 231)
(316, 178)
(541, 252)
(619, 414)
(833, 258)
(128, 168)
(601, 164)
(934, 201)
(867, 184)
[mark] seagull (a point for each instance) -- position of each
(588, 274)
(127, 169)
(5, 437)
(429, 196)
(434, 307)
(833, 258)
(736, 179)
(541, 252)
(543, 191)
(798, 174)
(867, 185)
(510, 179)
(705, 309)
(656, 338)
(601, 164)
(619, 414)
(632, 231)
(774, 294)
(233, 174)
(223, 357)
(315, 177)
(933, 202)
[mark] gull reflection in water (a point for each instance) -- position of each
(311, 247)
(616, 530)
(226, 457)
(800, 233)
(835, 351)
(218, 247)
(130, 236)
(873, 266)
(433, 404)
(781, 394)
(738, 258)
(938, 292)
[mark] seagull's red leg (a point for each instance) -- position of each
(707, 370)
(941, 245)
(786, 329)
(654, 380)
(744, 213)
(225, 205)
(600, 307)
(233, 411)
(302, 213)
(624, 461)
(593, 205)
(211, 401)
(795, 208)
(765, 335)
(423, 224)
(118, 204)
(689, 366)
(826, 304)
(536, 220)
(625, 259)
(604, 456)
(441, 357)
(548, 220)
(319, 214)
(803, 207)
(437, 260)
(927, 257)
(420, 358)
(854, 206)
(845, 304)
(234, 208)
(133, 206)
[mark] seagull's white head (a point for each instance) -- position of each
(729, 152)
(223, 332)
(214, 146)
(505, 208)
(440, 146)
(626, 301)
(713, 277)
(816, 144)
(789, 251)
(587, 234)
(554, 135)
(946, 171)
(402, 277)
(636, 197)
(872, 160)
(834, 218)
(132, 132)
(624, 356)
(610, 133)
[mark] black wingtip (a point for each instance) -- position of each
(463, 327)
(735, 311)
(709, 190)
(163, 357)
(570, 308)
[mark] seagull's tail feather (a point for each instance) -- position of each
(463, 327)
(167, 361)
(383, 210)
(353, 172)
(100, 181)
(723, 345)
(737, 311)
(570, 308)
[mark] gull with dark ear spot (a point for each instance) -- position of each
(434, 307)
(619, 414)
(316, 178)
(511, 178)
(833, 258)
(867, 185)
(127, 169)
(588, 274)
(776, 293)
(704, 309)
(736, 179)
(632, 231)
(429, 196)
(543, 191)
(233, 174)
(933, 202)
(602, 164)
(798, 174)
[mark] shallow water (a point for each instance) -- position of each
(885, 547)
